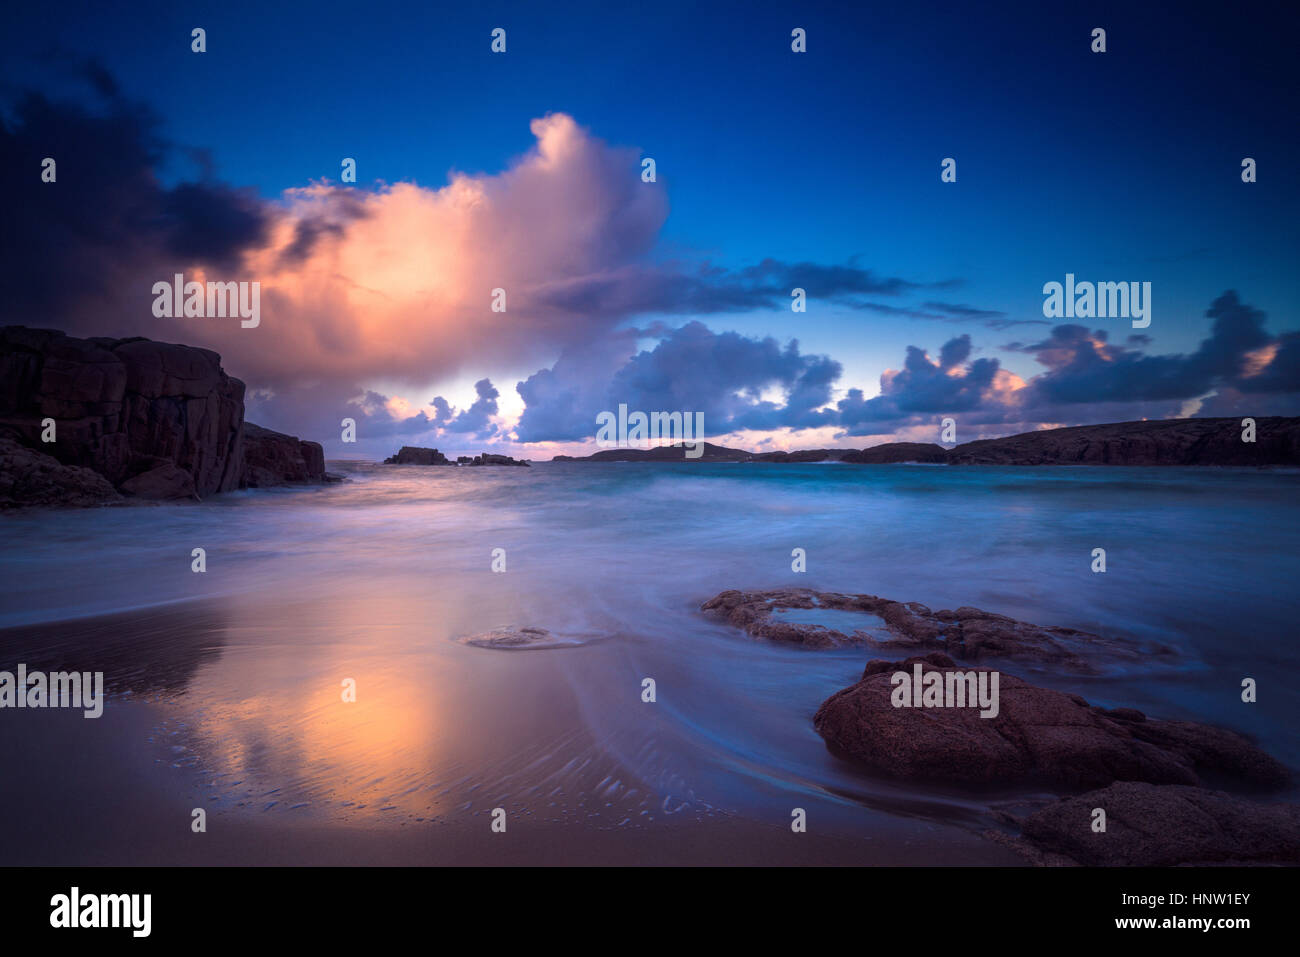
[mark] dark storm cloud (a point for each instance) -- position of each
(106, 224)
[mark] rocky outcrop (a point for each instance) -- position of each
(124, 408)
(28, 477)
(153, 419)
(662, 453)
(1038, 737)
(898, 452)
(1162, 442)
(1161, 826)
(967, 633)
(273, 458)
(991, 732)
(412, 455)
(486, 458)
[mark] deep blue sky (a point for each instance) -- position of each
(1116, 166)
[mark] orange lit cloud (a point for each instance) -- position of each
(398, 283)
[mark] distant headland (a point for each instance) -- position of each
(1266, 441)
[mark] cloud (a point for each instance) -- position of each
(1084, 367)
(947, 312)
(84, 249)
(929, 388)
(477, 418)
(676, 288)
(726, 376)
(751, 385)
(394, 283)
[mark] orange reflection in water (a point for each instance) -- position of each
(268, 720)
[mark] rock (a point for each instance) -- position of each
(898, 452)
(28, 477)
(1163, 442)
(520, 638)
(167, 481)
(968, 633)
(273, 458)
(1039, 737)
(136, 412)
(486, 458)
(662, 453)
(411, 455)
(120, 402)
(1165, 825)
(802, 455)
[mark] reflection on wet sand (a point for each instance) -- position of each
(147, 652)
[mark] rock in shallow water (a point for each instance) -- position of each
(414, 455)
(1039, 737)
(968, 633)
(1162, 826)
(519, 638)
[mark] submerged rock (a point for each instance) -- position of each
(1161, 826)
(1038, 737)
(967, 633)
(517, 638)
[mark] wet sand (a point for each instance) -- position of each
(287, 776)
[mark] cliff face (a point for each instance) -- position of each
(155, 420)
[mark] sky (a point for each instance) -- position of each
(523, 171)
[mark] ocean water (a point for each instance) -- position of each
(231, 679)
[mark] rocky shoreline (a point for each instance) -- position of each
(1160, 783)
(1165, 442)
(101, 421)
